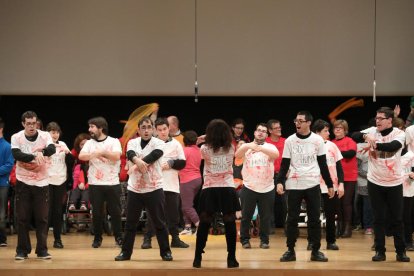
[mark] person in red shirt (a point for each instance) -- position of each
(348, 149)
(275, 137)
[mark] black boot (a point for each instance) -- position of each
(402, 257)
(348, 230)
(202, 234)
(379, 257)
(288, 256)
(177, 243)
(231, 236)
(146, 244)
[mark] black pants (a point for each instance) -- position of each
(56, 194)
(407, 216)
(312, 196)
(78, 194)
(110, 194)
(330, 206)
(265, 203)
(154, 204)
(31, 200)
(172, 215)
(391, 198)
(280, 208)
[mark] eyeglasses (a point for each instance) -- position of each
(275, 128)
(296, 121)
(380, 118)
(261, 130)
(145, 128)
(30, 124)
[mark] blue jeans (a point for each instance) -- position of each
(4, 192)
(367, 219)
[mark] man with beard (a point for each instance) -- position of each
(145, 189)
(29, 148)
(103, 153)
(385, 181)
(258, 187)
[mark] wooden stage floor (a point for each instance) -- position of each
(78, 258)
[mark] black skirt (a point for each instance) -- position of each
(222, 199)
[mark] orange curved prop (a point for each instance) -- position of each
(131, 125)
(344, 106)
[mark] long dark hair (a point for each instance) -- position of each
(218, 135)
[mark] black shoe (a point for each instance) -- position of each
(409, 247)
(179, 244)
(123, 256)
(379, 257)
(57, 244)
(197, 263)
(264, 245)
(21, 256)
(246, 245)
(288, 256)
(309, 247)
(96, 243)
(119, 241)
(167, 257)
(318, 256)
(146, 244)
(332, 246)
(232, 262)
(402, 257)
(44, 256)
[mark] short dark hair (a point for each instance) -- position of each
(271, 122)
(1, 123)
(99, 122)
(308, 115)
(161, 121)
(27, 115)
(319, 125)
(238, 121)
(262, 124)
(389, 113)
(53, 126)
(190, 137)
(145, 119)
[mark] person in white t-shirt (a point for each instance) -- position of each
(31, 148)
(258, 186)
(60, 172)
(145, 189)
(172, 161)
(330, 205)
(407, 162)
(385, 181)
(218, 193)
(103, 153)
(303, 163)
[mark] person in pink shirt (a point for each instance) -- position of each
(190, 181)
(218, 193)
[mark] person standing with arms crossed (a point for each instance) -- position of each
(103, 153)
(30, 148)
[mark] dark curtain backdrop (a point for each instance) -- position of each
(73, 112)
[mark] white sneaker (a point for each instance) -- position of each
(72, 207)
(83, 207)
(186, 231)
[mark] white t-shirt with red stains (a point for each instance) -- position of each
(31, 173)
(103, 171)
(172, 150)
(57, 168)
(384, 168)
(258, 170)
(218, 167)
(409, 137)
(151, 180)
(333, 155)
(407, 162)
(304, 172)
